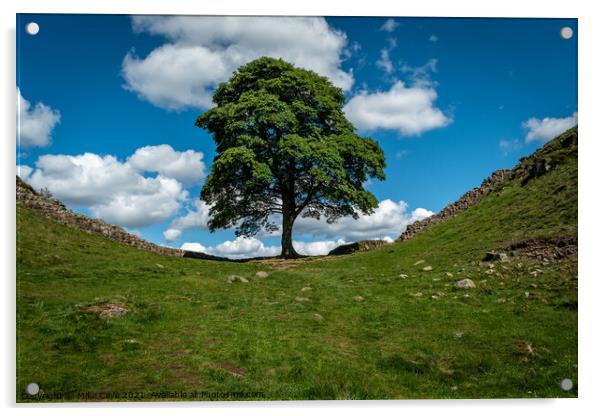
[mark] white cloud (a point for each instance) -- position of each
(544, 130)
(186, 167)
(241, 247)
(246, 247)
(407, 110)
(117, 191)
(389, 26)
(194, 247)
(203, 51)
(384, 62)
(35, 124)
(390, 219)
(195, 218)
(171, 234)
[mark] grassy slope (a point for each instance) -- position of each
(187, 322)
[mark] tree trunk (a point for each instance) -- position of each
(288, 251)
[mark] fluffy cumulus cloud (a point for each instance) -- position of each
(546, 129)
(35, 123)
(118, 192)
(388, 220)
(243, 247)
(186, 167)
(409, 110)
(197, 217)
(202, 51)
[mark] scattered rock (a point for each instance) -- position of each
(403, 276)
(500, 300)
(465, 284)
(159, 265)
(358, 298)
(306, 289)
(449, 274)
(233, 278)
(106, 310)
(458, 335)
(262, 274)
(418, 262)
(435, 297)
(318, 317)
(491, 256)
(427, 268)
(417, 294)
(302, 299)
(504, 258)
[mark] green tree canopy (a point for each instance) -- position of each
(284, 149)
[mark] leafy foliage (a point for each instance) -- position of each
(285, 147)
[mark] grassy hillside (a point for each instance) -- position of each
(188, 329)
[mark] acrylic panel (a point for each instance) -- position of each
(295, 208)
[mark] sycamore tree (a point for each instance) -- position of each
(284, 150)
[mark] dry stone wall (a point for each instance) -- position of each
(57, 211)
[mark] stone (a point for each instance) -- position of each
(159, 265)
(449, 274)
(106, 310)
(403, 276)
(262, 274)
(427, 268)
(500, 300)
(302, 299)
(318, 317)
(491, 256)
(504, 258)
(458, 335)
(417, 294)
(465, 284)
(233, 278)
(358, 298)
(306, 289)
(418, 262)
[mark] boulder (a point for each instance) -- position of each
(363, 245)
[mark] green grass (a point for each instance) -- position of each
(187, 326)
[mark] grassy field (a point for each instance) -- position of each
(189, 330)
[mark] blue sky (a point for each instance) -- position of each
(449, 101)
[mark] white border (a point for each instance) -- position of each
(590, 290)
